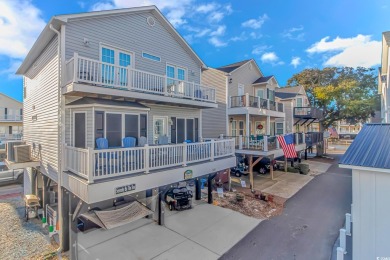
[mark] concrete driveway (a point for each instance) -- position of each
(204, 232)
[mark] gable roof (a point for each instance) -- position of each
(56, 21)
(295, 89)
(105, 102)
(11, 98)
(231, 67)
(370, 148)
(262, 79)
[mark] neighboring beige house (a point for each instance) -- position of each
(114, 110)
(383, 78)
(11, 118)
(368, 157)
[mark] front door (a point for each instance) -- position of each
(159, 127)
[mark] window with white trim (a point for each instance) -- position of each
(150, 56)
(279, 128)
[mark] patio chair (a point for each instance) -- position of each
(142, 141)
(102, 143)
(129, 142)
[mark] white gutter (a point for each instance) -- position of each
(59, 154)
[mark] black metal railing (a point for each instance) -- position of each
(272, 105)
(308, 113)
(313, 138)
(237, 101)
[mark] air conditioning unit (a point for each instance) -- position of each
(9, 149)
(22, 153)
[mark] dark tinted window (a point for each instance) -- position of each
(114, 130)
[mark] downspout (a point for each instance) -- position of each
(59, 154)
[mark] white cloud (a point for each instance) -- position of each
(351, 52)
(241, 37)
(294, 33)
(255, 35)
(217, 42)
(10, 71)
(255, 23)
(206, 8)
(220, 31)
(295, 61)
(20, 25)
(258, 50)
(272, 58)
(216, 17)
(175, 11)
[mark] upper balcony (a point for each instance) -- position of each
(308, 113)
(11, 118)
(92, 76)
(255, 106)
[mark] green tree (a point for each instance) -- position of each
(342, 93)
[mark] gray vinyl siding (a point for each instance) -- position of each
(245, 76)
(170, 111)
(215, 119)
(130, 32)
(41, 82)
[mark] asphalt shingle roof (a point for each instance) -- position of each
(283, 95)
(229, 68)
(262, 79)
(295, 89)
(105, 102)
(370, 147)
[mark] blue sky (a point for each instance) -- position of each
(284, 37)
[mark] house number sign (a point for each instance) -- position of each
(123, 189)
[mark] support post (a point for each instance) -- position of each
(209, 190)
(271, 167)
(147, 159)
(285, 164)
(230, 180)
(348, 224)
(340, 254)
(212, 150)
(247, 126)
(265, 140)
(160, 206)
(64, 224)
(185, 154)
(45, 196)
(251, 173)
(240, 142)
(343, 240)
(268, 125)
(306, 154)
(198, 190)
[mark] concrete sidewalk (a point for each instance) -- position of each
(204, 232)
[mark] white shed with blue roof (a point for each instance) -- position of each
(369, 158)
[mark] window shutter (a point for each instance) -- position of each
(173, 130)
(267, 93)
(196, 129)
(143, 125)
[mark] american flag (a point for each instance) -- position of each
(333, 132)
(287, 143)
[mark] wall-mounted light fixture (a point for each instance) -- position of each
(231, 120)
(230, 80)
(86, 42)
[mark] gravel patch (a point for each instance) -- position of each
(250, 206)
(20, 239)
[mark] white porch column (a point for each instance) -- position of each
(268, 131)
(247, 124)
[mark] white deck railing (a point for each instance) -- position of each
(100, 164)
(255, 102)
(11, 118)
(84, 70)
(266, 143)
